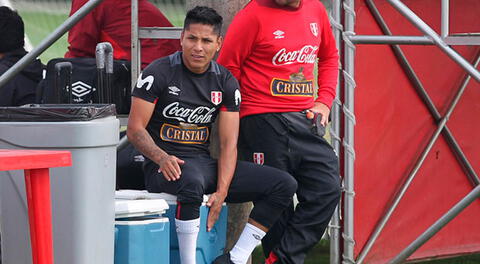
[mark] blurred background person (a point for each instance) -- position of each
(111, 21)
(22, 88)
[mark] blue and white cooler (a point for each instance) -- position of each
(209, 244)
(142, 234)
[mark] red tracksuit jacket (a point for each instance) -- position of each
(272, 51)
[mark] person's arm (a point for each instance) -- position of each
(327, 71)
(84, 36)
(232, 55)
(140, 114)
(228, 125)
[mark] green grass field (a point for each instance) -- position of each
(39, 25)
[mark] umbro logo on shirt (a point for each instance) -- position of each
(173, 90)
(138, 158)
(279, 34)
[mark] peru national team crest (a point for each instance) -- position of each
(258, 158)
(216, 97)
(314, 29)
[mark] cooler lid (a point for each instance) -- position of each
(143, 194)
(140, 221)
(130, 208)
(168, 197)
(131, 194)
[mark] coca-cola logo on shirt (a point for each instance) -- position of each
(307, 54)
(199, 115)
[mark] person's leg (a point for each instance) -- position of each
(318, 192)
(271, 190)
(189, 189)
(275, 233)
(266, 136)
(250, 237)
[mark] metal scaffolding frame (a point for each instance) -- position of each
(349, 40)
(139, 33)
(334, 227)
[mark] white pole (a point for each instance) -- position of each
(348, 140)
(445, 18)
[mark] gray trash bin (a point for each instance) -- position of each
(83, 206)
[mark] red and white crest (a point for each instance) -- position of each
(216, 97)
(314, 29)
(258, 158)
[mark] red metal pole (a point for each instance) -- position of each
(37, 183)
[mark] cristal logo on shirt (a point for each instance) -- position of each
(198, 115)
(296, 85)
(184, 134)
(281, 87)
(307, 54)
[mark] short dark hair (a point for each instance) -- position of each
(204, 15)
(11, 29)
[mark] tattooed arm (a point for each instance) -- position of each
(140, 114)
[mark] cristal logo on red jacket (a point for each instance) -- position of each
(200, 114)
(307, 54)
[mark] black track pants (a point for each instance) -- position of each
(286, 141)
(270, 189)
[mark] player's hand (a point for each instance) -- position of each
(215, 203)
(170, 167)
(322, 109)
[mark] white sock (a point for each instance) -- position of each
(251, 236)
(187, 232)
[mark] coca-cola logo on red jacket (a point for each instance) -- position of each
(307, 54)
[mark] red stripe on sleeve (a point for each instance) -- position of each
(179, 206)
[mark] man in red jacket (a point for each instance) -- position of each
(282, 121)
(111, 21)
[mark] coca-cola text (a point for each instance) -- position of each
(307, 54)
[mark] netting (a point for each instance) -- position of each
(43, 16)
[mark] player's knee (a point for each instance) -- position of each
(191, 191)
(336, 187)
(284, 188)
(332, 190)
(289, 184)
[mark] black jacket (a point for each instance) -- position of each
(22, 88)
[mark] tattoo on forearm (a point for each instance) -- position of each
(145, 144)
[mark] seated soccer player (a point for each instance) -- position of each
(175, 102)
